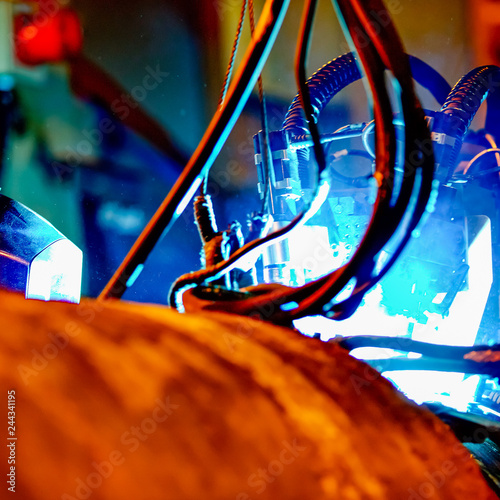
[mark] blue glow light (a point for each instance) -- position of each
(135, 275)
(6, 82)
(459, 327)
(289, 306)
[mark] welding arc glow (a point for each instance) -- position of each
(255, 248)
(458, 328)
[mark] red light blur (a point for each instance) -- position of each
(52, 38)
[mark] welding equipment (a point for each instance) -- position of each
(389, 207)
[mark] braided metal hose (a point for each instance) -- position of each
(323, 85)
(460, 108)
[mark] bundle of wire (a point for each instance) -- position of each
(392, 214)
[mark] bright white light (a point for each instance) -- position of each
(310, 253)
(449, 389)
(488, 410)
(312, 325)
(377, 353)
(462, 323)
(458, 328)
(56, 273)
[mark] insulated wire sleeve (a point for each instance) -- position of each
(463, 102)
(337, 74)
(385, 219)
(247, 251)
(314, 297)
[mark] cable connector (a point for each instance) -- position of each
(283, 178)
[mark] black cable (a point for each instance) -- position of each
(312, 297)
(406, 344)
(385, 219)
(264, 146)
(302, 52)
(490, 368)
(416, 190)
